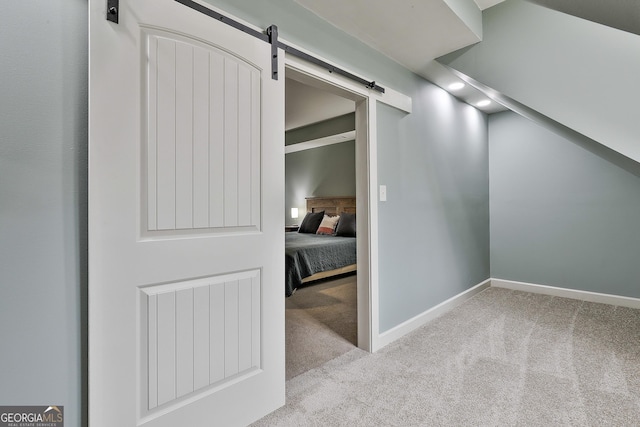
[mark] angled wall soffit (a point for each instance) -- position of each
(589, 144)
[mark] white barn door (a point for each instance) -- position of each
(186, 242)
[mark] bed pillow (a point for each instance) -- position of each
(311, 222)
(346, 225)
(328, 225)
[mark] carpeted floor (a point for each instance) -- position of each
(321, 324)
(502, 358)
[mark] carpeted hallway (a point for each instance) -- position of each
(321, 324)
(502, 358)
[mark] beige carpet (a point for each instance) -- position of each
(503, 358)
(321, 324)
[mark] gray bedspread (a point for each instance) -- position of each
(308, 254)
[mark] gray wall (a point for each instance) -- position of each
(434, 228)
(323, 171)
(560, 215)
(43, 204)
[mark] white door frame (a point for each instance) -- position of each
(366, 181)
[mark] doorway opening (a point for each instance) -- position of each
(331, 316)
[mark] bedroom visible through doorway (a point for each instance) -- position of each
(320, 178)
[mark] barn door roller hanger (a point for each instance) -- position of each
(113, 8)
(269, 36)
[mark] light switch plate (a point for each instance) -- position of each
(383, 193)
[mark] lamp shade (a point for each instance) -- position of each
(294, 212)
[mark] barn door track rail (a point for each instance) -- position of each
(270, 35)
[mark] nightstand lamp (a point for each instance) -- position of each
(294, 215)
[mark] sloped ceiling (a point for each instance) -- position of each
(577, 73)
(415, 32)
(412, 32)
(620, 14)
(305, 105)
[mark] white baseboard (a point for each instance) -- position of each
(567, 293)
(404, 328)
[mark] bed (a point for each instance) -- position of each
(311, 256)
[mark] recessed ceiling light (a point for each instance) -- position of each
(483, 103)
(456, 86)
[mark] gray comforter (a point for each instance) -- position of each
(308, 254)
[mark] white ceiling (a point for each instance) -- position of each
(415, 32)
(305, 105)
(409, 31)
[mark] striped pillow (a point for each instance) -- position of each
(328, 225)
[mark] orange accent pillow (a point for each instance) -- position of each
(328, 225)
